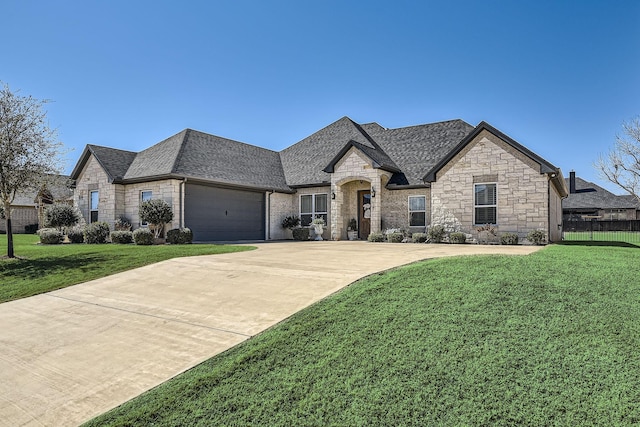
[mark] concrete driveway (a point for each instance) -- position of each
(69, 355)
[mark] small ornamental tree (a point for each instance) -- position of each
(61, 215)
(157, 213)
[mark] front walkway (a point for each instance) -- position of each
(69, 355)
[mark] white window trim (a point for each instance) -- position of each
(409, 211)
(475, 223)
(97, 209)
(313, 212)
(144, 224)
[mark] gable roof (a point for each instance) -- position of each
(591, 196)
(114, 162)
(57, 185)
(545, 167)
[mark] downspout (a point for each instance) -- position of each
(182, 191)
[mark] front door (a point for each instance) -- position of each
(364, 217)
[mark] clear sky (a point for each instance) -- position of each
(559, 77)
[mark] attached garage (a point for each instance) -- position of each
(216, 214)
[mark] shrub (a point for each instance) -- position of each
(537, 237)
(301, 233)
(122, 224)
(121, 236)
(457, 238)
(509, 239)
(143, 236)
(96, 232)
(436, 233)
(291, 222)
(179, 236)
(157, 213)
(395, 237)
(31, 229)
(75, 234)
(376, 237)
(419, 237)
(51, 236)
(61, 215)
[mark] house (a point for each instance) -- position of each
(448, 173)
(27, 209)
(587, 201)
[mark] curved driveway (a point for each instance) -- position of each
(69, 355)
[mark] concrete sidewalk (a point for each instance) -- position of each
(69, 355)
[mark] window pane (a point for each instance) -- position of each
(417, 219)
(146, 195)
(306, 205)
(94, 200)
(305, 219)
(417, 203)
(485, 194)
(486, 215)
(321, 202)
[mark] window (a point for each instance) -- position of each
(417, 211)
(485, 204)
(144, 196)
(93, 206)
(313, 206)
(615, 214)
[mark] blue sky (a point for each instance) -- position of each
(560, 77)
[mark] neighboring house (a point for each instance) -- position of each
(588, 201)
(27, 209)
(448, 173)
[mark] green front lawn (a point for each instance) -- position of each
(603, 236)
(43, 268)
(546, 339)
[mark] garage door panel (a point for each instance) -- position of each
(215, 213)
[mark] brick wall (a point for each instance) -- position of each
(281, 206)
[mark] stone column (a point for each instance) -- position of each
(336, 212)
(375, 206)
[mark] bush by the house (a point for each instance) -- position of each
(60, 215)
(436, 233)
(122, 224)
(376, 237)
(121, 236)
(291, 222)
(509, 239)
(143, 236)
(75, 234)
(157, 213)
(395, 237)
(96, 232)
(419, 237)
(31, 229)
(537, 237)
(457, 238)
(179, 236)
(51, 236)
(300, 233)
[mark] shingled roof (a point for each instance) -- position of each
(408, 153)
(590, 196)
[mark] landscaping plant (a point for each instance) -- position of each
(157, 213)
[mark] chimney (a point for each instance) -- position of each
(572, 182)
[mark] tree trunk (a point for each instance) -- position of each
(10, 253)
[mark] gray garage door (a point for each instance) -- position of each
(215, 214)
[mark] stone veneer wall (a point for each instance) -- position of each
(167, 190)
(93, 177)
(522, 192)
(326, 232)
(395, 208)
(555, 215)
(281, 207)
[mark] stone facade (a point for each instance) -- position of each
(280, 206)
(522, 191)
(21, 216)
(116, 200)
(326, 232)
(395, 208)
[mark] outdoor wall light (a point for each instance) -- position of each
(373, 191)
(333, 195)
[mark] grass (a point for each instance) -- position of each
(43, 268)
(603, 236)
(547, 339)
